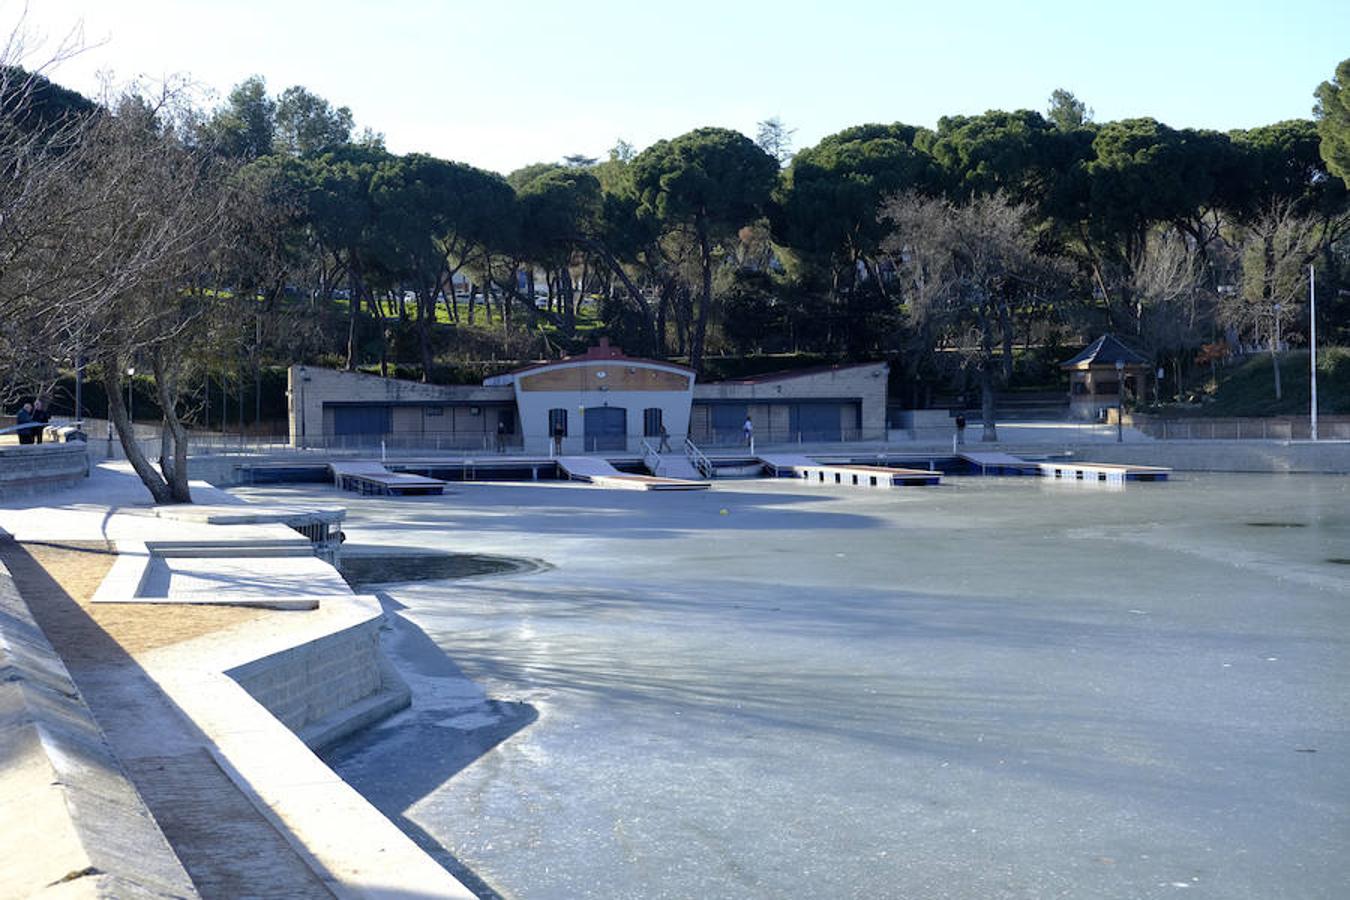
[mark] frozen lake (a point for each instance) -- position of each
(996, 688)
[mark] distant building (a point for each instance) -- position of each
(1096, 383)
(601, 401)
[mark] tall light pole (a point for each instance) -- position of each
(1312, 353)
(131, 415)
(1120, 401)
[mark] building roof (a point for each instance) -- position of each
(599, 353)
(1105, 351)
(789, 374)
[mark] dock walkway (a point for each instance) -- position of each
(598, 471)
(999, 463)
(848, 474)
(1111, 472)
(374, 478)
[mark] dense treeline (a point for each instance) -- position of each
(201, 245)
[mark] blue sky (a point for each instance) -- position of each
(501, 83)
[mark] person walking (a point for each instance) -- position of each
(748, 432)
(960, 429)
(664, 446)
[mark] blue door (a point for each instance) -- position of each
(815, 421)
(727, 421)
(360, 424)
(606, 428)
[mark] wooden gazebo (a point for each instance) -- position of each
(1098, 375)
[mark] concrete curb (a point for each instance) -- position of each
(243, 686)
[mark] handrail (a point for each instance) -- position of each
(698, 458)
(650, 457)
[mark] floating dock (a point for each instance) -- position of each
(1109, 472)
(374, 478)
(600, 472)
(849, 474)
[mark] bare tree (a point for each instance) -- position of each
(1276, 247)
(966, 269)
(111, 216)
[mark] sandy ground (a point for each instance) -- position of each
(78, 567)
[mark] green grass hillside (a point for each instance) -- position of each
(1249, 389)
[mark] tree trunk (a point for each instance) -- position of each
(990, 433)
(353, 309)
(117, 411)
(1009, 328)
(1268, 294)
(613, 265)
(377, 308)
(426, 311)
(174, 437)
(705, 298)
(569, 310)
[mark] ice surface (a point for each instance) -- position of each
(995, 688)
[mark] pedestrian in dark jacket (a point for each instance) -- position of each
(25, 417)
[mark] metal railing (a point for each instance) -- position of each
(1277, 428)
(736, 437)
(698, 459)
(650, 457)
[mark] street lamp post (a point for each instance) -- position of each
(1120, 401)
(131, 414)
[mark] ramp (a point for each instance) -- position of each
(675, 465)
(994, 463)
(599, 472)
(373, 478)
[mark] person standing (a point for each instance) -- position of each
(24, 417)
(41, 415)
(960, 429)
(748, 432)
(501, 435)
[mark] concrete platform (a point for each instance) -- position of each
(1085, 471)
(866, 476)
(374, 478)
(223, 718)
(600, 472)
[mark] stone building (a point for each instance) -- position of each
(601, 401)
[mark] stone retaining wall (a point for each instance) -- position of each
(1325, 457)
(71, 822)
(40, 468)
(328, 687)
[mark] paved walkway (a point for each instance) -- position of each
(198, 807)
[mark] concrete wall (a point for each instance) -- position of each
(38, 468)
(71, 823)
(1266, 428)
(1328, 457)
(327, 687)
